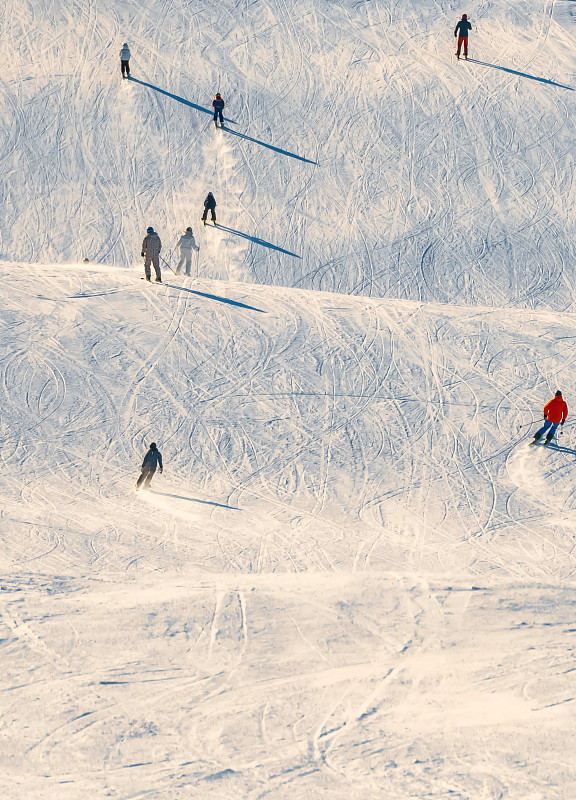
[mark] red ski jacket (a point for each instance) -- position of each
(556, 410)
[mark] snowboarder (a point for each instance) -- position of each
(461, 31)
(218, 106)
(151, 247)
(186, 244)
(555, 413)
(152, 460)
(209, 205)
(125, 60)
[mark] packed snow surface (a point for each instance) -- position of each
(355, 578)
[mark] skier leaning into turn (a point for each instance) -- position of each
(461, 31)
(152, 461)
(151, 247)
(555, 413)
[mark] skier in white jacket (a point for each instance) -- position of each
(186, 244)
(125, 60)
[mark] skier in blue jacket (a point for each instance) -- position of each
(461, 31)
(152, 461)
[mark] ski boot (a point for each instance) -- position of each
(158, 280)
(549, 438)
(148, 278)
(537, 436)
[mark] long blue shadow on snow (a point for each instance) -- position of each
(225, 300)
(194, 500)
(269, 146)
(179, 99)
(521, 74)
(256, 240)
(555, 447)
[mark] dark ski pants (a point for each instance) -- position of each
(156, 262)
(145, 477)
(462, 40)
(125, 67)
(219, 114)
(205, 214)
(544, 428)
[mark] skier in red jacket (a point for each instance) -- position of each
(555, 413)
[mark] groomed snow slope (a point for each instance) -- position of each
(355, 578)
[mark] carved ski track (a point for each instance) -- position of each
(353, 577)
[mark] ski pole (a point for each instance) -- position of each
(528, 423)
(167, 264)
(197, 267)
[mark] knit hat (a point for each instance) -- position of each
(188, 229)
(153, 446)
(150, 229)
(558, 394)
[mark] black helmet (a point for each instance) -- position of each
(188, 229)
(153, 446)
(558, 394)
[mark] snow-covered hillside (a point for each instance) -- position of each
(354, 578)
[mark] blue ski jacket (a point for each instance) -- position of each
(152, 460)
(210, 201)
(462, 28)
(218, 104)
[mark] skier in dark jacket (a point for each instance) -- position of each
(218, 106)
(151, 247)
(209, 205)
(555, 413)
(152, 461)
(461, 31)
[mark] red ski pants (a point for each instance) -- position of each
(462, 40)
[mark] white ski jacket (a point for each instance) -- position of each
(187, 242)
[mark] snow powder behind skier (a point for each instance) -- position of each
(151, 247)
(555, 413)
(461, 31)
(152, 461)
(209, 205)
(218, 106)
(125, 60)
(186, 244)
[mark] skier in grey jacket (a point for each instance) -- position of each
(152, 461)
(125, 60)
(151, 247)
(186, 244)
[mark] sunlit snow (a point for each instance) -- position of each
(355, 578)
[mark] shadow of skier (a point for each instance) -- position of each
(520, 74)
(269, 146)
(256, 240)
(225, 300)
(179, 99)
(554, 446)
(195, 500)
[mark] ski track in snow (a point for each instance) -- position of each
(354, 575)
